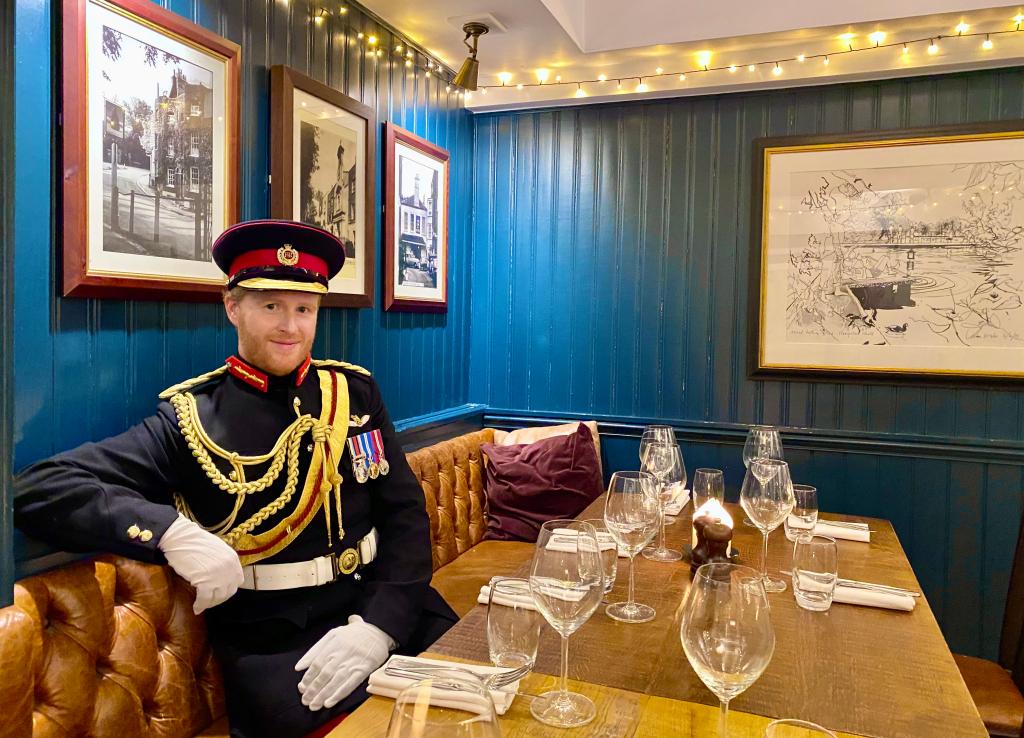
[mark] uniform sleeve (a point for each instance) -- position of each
(112, 496)
(403, 568)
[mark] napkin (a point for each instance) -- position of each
(560, 541)
(682, 496)
(385, 685)
(868, 598)
(824, 528)
(521, 598)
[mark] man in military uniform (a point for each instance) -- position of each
(275, 486)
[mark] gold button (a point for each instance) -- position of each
(133, 532)
(146, 535)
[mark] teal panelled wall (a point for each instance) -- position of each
(85, 369)
(610, 265)
(6, 280)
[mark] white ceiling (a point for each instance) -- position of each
(582, 39)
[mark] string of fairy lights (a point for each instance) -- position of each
(878, 41)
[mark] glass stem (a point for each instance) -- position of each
(629, 601)
(564, 681)
(764, 557)
(723, 719)
(661, 533)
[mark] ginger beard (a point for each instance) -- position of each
(275, 328)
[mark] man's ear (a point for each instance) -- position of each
(231, 308)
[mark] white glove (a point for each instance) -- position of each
(340, 661)
(203, 560)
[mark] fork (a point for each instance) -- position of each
(415, 669)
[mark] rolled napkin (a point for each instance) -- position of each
(846, 531)
(385, 685)
(872, 598)
(679, 500)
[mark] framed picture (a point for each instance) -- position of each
(322, 163)
(890, 254)
(150, 151)
(415, 223)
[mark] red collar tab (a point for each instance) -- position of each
(303, 370)
(247, 373)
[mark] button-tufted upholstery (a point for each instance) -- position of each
(452, 476)
(110, 648)
(106, 648)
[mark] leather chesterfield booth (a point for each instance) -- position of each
(110, 648)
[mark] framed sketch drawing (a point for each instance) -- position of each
(322, 163)
(415, 223)
(150, 151)
(890, 254)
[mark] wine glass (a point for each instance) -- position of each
(632, 513)
(513, 624)
(451, 703)
(708, 484)
(567, 583)
(675, 481)
(609, 552)
(763, 442)
(660, 459)
(767, 498)
(726, 631)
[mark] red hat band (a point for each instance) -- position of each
(275, 258)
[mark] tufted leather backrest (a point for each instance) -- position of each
(105, 648)
(452, 476)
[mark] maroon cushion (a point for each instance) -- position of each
(530, 484)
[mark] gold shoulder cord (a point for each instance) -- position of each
(342, 364)
(287, 446)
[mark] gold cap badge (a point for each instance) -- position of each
(287, 255)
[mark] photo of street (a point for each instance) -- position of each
(157, 143)
(417, 221)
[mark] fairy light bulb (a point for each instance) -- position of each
(1018, 19)
(558, 78)
(825, 60)
(641, 86)
(659, 70)
(987, 43)
(877, 37)
(906, 49)
(933, 48)
(359, 35)
(542, 75)
(682, 77)
(398, 48)
(519, 86)
(801, 58)
(580, 92)
(962, 28)
(618, 84)
(505, 77)
(601, 77)
(343, 10)
(704, 58)
(751, 67)
(408, 62)
(732, 68)
(777, 69)
(371, 40)
(447, 88)
(847, 39)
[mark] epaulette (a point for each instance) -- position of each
(342, 365)
(190, 383)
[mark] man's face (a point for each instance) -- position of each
(275, 327)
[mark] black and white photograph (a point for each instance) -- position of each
(417, 214)
(157, 151)
(157, 183)
(416, 234)
(896, 258)
(322, 172)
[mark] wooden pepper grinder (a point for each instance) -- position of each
(713, 539)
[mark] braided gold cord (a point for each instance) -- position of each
(190, 383)
(343, 364)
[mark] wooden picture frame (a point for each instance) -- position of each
(149, 143)
(303, 185)
(415, 223)
(889, 255)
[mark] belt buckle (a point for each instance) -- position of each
(346, 562)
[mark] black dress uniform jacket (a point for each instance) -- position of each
(118, 495)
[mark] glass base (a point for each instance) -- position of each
(563, 709)
(661, 554)
(774, 584)
(627, 613)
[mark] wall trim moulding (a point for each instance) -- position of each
(833, 441)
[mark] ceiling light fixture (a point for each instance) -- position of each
(466, 78)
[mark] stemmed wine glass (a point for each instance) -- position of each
(567, 583)
(767, 497)
(632, 514)
(763, 442)
(660, 459)
(726, 631)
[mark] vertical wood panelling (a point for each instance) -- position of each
(84, 369)
(646, 274)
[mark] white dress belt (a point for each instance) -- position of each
(313, 573)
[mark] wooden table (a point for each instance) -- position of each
(860, 670)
